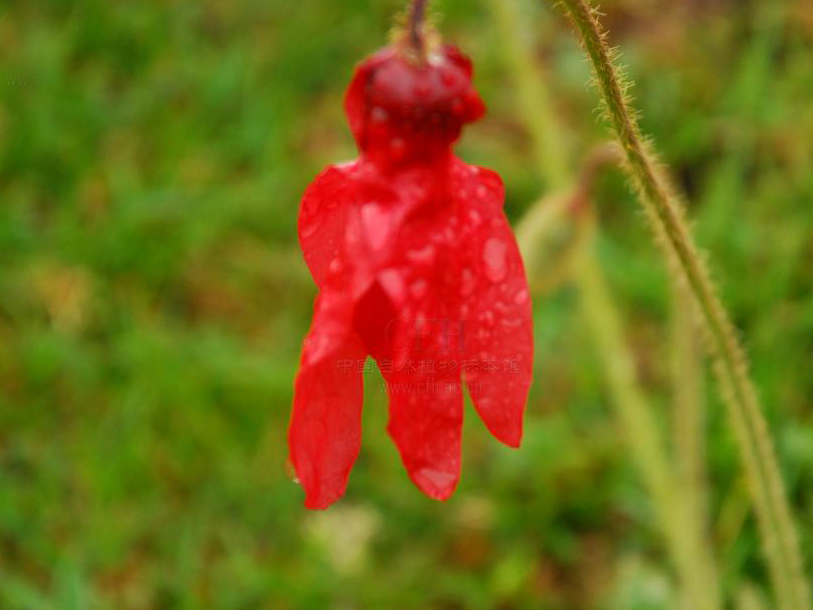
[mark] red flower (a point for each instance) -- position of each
(416, 266)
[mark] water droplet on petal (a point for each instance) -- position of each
(482, 192)
(376, 225)
(521, 297)
(397, 148)
(392, 284)
(475, 218)
(424, 256)
(335, 266)
(318, 345)
(485, 403)
(418, 288)
(494, 259)
(436, 478)
(378, 115)
(310, 225)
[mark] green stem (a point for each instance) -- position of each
(552, 220)
(666, 216)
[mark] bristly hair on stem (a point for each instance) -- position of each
(666, 216)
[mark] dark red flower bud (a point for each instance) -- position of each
(416, 266)
(401, 110)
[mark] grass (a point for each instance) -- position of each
(152, 302)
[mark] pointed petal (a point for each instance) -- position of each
(423, 381)
(426, 408)
(325, 431)
(426, 418)
(497, 306)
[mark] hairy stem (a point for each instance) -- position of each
(666, 216)
(563, 218)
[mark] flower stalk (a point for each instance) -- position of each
(666, 217)
(566, 219)
(417, 16)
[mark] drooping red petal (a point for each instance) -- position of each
(408, 321)
(495, 305)
(323, 219)
(426, 419)
(421, 368)
(325, 432)
(417, 266)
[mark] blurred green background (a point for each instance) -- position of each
(153, 300)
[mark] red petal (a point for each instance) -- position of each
(323, 219)
(347, 224)
(495, 305)
(325, 432)
(426, 417)
(408, 331)
(418, 266)
(423, 372)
